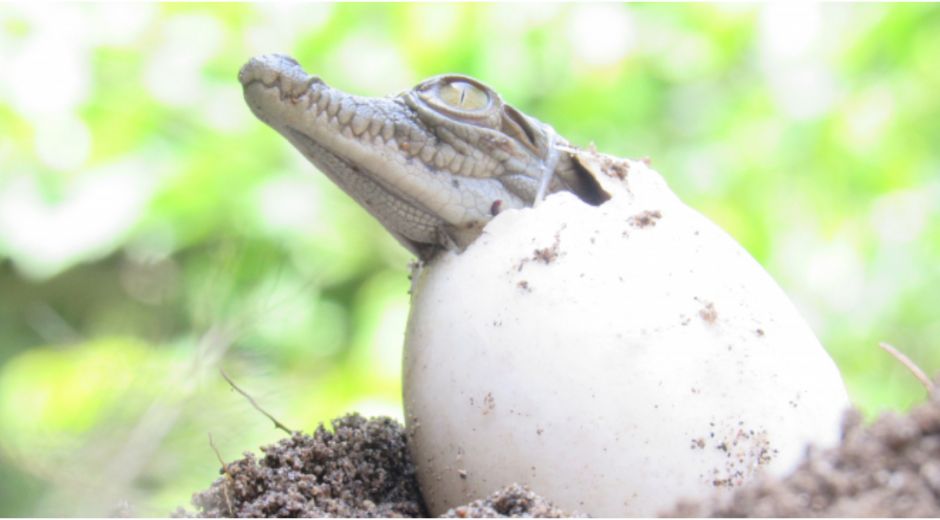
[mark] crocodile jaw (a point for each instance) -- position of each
(381, 154)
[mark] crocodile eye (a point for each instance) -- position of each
(463, 95)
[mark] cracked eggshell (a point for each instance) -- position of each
(613, 358)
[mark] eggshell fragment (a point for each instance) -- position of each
(613, 358)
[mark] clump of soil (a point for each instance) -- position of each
(360, 469)
(512, 501)
(888, 469)
(645, 218)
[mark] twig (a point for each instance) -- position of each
(910, 365)
(277, 424)
(228, 478)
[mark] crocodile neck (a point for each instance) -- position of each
(433, 164)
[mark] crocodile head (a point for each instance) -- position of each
(432, 164)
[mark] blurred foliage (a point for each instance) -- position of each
(151, 231)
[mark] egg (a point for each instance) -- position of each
(613, 358)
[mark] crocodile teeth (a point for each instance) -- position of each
(313, 96)
(333, 107)
(322, 103)
(284, 86)
(347, 110)
(359, 124)
(375, 126)
(311, 81)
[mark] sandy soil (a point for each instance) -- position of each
(360, 469)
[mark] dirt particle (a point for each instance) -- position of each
(618, 169)
(708, 313)
(524, 285)
(759, 332)
(545, 255)
(489, 403)
(610, 166)
(548, 254)
(462, 473)
(495, 207)
(645, 218)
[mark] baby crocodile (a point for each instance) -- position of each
(433, 164)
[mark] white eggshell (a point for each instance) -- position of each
(613, 358)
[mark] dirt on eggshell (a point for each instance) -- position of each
(890, 468)
(361, 468)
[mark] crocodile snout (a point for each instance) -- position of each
(277, 70)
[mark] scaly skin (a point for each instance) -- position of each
(433, 164)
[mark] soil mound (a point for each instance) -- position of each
(360, 469)
(512, 501)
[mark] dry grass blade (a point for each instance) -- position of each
(910, 365)
(277, 424)
(228, 478)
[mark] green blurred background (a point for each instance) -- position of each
(152, 231)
